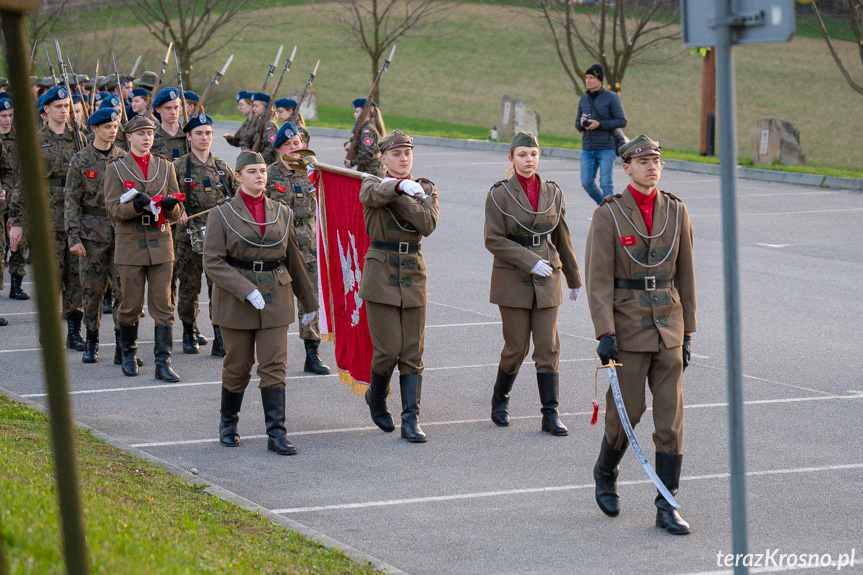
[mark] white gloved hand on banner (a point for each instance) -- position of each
(541, 268)
(308, 317)
(412, 188)
(256, 299)
(128, 196)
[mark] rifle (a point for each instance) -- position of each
(135, 67)
(215, 80)
(33, 53)
(51, 68)
(262, 121)
(272, 68)
(364, 115)
(182, 92)
(79, 142)
(78, 86)
(119, 90)
(154, 91)
(304, 93)
(93, 91)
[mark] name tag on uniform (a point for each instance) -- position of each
(129, 185)
(91, 174)
(627, 240)
(280, 189)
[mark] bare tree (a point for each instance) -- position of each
(613, 33)
(191, 26)
(852, 10)
(377, 24)
(42, 23)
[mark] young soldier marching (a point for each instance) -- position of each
(368, 158)
(16, 260)
(399, 211)
(144, 250)
(244, 106)
(206, 180)
(170, 141)
(641, 291)
(260, 107)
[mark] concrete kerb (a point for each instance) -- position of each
(225, 494)
(793, 178)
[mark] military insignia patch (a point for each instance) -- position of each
(91, 174)
(367, 141)
(280, 189)
(271, 137)
(202, 117)
(129, 185)
(627, 240)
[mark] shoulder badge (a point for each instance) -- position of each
(670, 195)
(607, 199)
(367, 141)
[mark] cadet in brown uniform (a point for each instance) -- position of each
(641, 291)
(526, 230)
(144, 248)
(169, 139)
(252, 256)
(399, 211)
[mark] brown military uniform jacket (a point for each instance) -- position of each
(295, 190)
(641, 318)
(86, 215)
(139, 241)
(391, 276)
(228, 235)
(508, 215)
(168, 146)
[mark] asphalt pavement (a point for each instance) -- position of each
(481, 499)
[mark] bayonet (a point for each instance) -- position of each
(215, 80)
(262, 121)
(364, 115)
(272, 68)
(155, 90)
(305, 92)
(182, 92)
(119, 90)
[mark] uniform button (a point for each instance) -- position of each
(655, 298)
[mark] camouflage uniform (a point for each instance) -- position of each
(87, 223)
(16, 260)
(267, 151)
(7, 182)
(168, 146)
(241, 134)
(368, 158)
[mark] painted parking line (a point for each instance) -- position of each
(551, 489)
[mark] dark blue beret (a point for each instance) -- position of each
(101, 96)
(140, 92)
(54, 94)
(103, 116)
(191, 96)
(112, 101)
(360, 103)
(199, 120)
(6, 102)
(76, 98)
(286, 103)
(165, 95)
(244, 95)
(261, 97)
(285, 133)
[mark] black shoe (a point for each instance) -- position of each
(162, 348)
(411, 387)
(91, 347)
(549, 386)
(129, 346)
(190, 343)
(108, 302)
(15, 291)
(376, 399)
(605, 474)
(218, 344)
(3, 321)
(199, 337)
(73, 324)
(313, 361)
(118, 351)
(273, 399)
(500, 397)
(668, 470)
(230, 411)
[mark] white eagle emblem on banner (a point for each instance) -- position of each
(351, 274)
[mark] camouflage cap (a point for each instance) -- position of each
(395, 139)
(138, 123)
(639, 146)
(247, 159)
(147, 80)
(525, 140)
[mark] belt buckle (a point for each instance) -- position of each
(535, 241)
(650, 283)
(258, 266)
(145, 220)
(404, 247)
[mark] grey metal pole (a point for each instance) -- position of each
(728, 170)
(45, 271)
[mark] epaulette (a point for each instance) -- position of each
(670, 195)
(220, 201)
(112, 160)
(496, 184)
(610, 197)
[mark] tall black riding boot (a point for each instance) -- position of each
(15, 292)
(273, 399)
(129, 343)
(230, 411)
(118, 350)
(549, 391)
(313, 360)
(163, 345)
(411, 387)
(605, 474)
(376, 399)
(190, 343)
(73, 323)
(218, 344)
(199, 337)
(108, 302)
(668, 470)
(500, 397)
(91, 347)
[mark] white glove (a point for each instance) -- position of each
(128, 196)
(541, 268)
(153, 208)
(308, 317)
(573, 293)
(256, 299)
(412, 188)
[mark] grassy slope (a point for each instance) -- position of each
(456, 71)
(139, 518)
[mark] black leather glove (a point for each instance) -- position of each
(687, 344)
(607, 349)
(169, 203)
(141, 201)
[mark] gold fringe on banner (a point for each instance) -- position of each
(358, 387)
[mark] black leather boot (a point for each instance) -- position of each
(3, 321)
(15, 291)
(605, 474)
(668, 470)
(218, 345)
(129, 343)
(313, 361)
(273, 399)
(199, 337)
(91, 347)
(73, 324)
(118, 351)
(108, 302)
(411, 387)
(230, 411)
(549, 387)
(376, 399)
(500, 397)
(163, 346)
(190, 343)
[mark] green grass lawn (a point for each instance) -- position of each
(140, 519)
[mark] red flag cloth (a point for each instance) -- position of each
(342, 247)
(162, 220)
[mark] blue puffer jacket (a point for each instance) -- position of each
(607, 108)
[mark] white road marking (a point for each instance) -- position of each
(774, 246)
(461, 309)
(551, 489)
